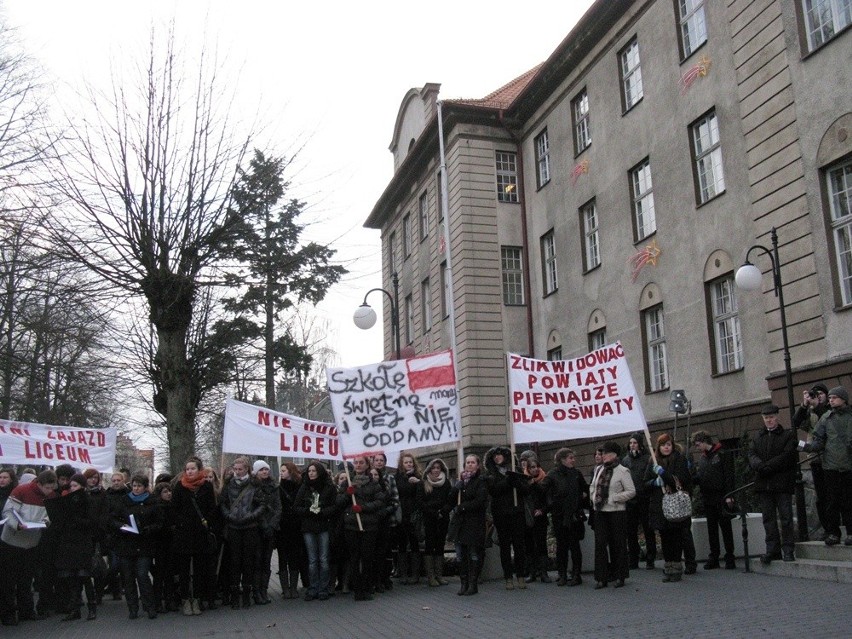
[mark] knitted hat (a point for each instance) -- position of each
(26, 478)
(612, 447)
(839, 391)
(258, 466)
(819, 388)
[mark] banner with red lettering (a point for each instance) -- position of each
(255, 430)
(394, 406)
(589, 396)
(41, 444)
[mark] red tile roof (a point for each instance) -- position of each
(505, 95)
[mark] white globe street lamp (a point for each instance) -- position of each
(365, 317)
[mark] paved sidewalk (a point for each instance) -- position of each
(718, 603)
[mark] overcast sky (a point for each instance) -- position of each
(328, 77)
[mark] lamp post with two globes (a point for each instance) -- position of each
(365, 316)
(750, 278)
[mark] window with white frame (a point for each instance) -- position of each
(406, 236)
(655, 349)
(642, 195)
(542, 159)
(554, 354)
(507, 176)
(409, 319)
(707, 151)
(582, 126)
(631, 74)
(548, 263)
(597, 339)
(591, 240)
(423, 209)
(693, 26)
(511, 266)
(392, 252)
(445, 288)
(824, 19)
(727, 340)
(839, 185)
(426, 309)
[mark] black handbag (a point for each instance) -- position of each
(211, 540)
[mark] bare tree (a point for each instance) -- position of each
(149, 181)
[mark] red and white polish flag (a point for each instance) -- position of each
(431, 371)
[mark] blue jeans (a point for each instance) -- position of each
(317, 546)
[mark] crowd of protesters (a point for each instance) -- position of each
(196, 542)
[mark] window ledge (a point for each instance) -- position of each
(632, 106)
(645, 239)
(733, 372)
(594, 268)
(715, 197)
(694, 51)
(827, 42)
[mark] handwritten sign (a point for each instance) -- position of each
(398, 405)
(255, 430)
(589, 396)
(35, 444)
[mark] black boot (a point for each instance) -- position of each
(472, 578)
(576, 580)
(93, 612)
(563, 579)
(235, 598)
(73, 615)
(542, 567)
(463, 576)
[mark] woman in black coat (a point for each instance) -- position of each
(76, 534)
(408, 478)
(469, 500)
(316, 505)
(135, 543)
(290, 543)
(433, 501)
(669, 471)
(194, 509)
(568, 496)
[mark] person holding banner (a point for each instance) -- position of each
(194, 508)
(669, 473)
(612, 487)
(568, 495)
(361, 501)
(507, 490)
(433, 502)
(470, 503)
(315, 506)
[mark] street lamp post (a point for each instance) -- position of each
(749, 278)
(365, 316)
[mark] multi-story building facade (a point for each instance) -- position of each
(611, 193)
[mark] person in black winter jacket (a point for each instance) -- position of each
(433, 495)
(669, 471)
(469, 500)
(773, 457)
(316, 506)
(362, 501)
(507, 490)
(242, 507)
(76, 533)
(568, 496)
(270, 522)
(637, 461)
(290, 542)
(408, 478)
(135, 543)
(714, 474)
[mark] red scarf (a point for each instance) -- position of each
(192, 484)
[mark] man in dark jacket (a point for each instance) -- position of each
(636, 461)
(714, 474)
(814, 405)
(773, 458)
(568, 496)
(833, 437)
(507, 490)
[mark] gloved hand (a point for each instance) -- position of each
(350, 490)
(658, 469)
(356, 508)
(658, 482)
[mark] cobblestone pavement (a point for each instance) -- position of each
(718, 603)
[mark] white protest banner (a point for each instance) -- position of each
(589, 396)
(34, 444)
(255, 430)
(398, 405)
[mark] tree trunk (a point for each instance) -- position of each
(176, 402)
